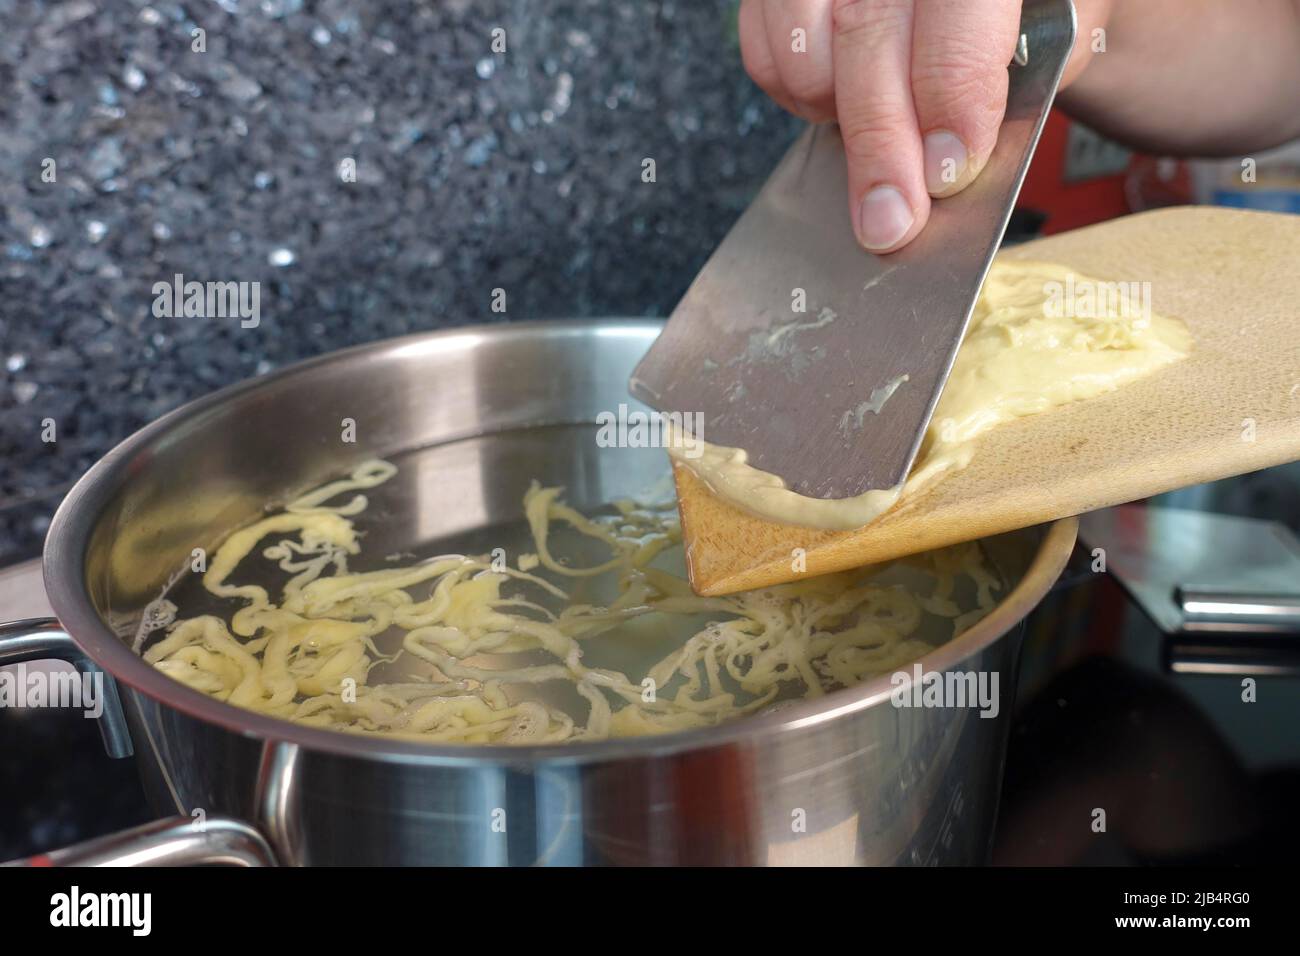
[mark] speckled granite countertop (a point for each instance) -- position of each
(474, 170)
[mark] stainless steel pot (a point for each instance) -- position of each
(477, 413)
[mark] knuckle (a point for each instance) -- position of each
(958, 86)
(760, 67)
(810, 85)
(971, 61)
(870, 19)
(868, 131)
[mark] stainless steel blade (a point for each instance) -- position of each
(835, 399)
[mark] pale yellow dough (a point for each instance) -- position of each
(1022, 355)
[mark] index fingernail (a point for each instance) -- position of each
(884, 217)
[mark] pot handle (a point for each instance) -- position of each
(45, 639)
(175, 841)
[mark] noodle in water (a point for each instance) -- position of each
(307, 654)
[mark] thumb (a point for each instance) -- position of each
(960, 52)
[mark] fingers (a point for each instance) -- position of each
(960, 53)
(757, 55)
(872, 49)
(799, 38)
(918, 87)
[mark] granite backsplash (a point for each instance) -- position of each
(130, 156)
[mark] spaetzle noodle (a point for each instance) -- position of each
(307, 655)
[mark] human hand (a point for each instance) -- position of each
(918, 88)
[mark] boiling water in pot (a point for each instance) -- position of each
(465, 498)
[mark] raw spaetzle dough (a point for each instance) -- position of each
(1019, 357)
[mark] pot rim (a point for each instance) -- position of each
(69, 534)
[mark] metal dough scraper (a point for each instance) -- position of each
(835, 398)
